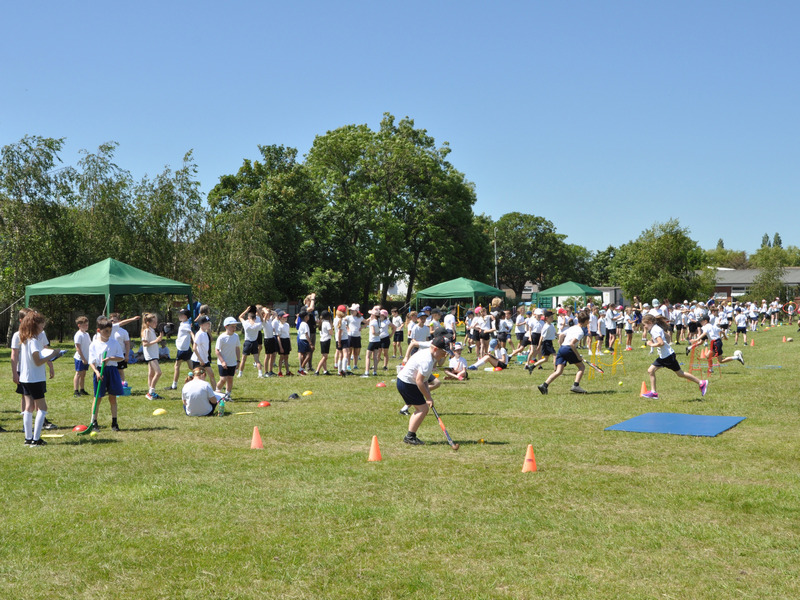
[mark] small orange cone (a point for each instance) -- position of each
(256, 443)
(752, 343)
(784, 339)
(644, 389)
(530, 460)
(374, 450)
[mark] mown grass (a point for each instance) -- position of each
(173, 507)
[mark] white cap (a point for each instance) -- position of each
(230, 321)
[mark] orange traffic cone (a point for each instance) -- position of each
(374, 450)
(530, 460)
(644, 389)
(752, 343)
(784, 339)
(256, 443)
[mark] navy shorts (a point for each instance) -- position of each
(184, 355)
(271, 346)
(410, 393)
(286, 344)
(716, 346)
(303, 347)
(110, 384)
(250, 347)
(81, 366)
(671, 363)
(372, 346)
(565, 356)
(325, 347)
(547, 348)
(398, 336)
(344, 343)
(226, 371)
(197, 364)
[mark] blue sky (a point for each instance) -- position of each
(603, 117)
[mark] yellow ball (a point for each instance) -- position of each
(620, 383)
(93, 434)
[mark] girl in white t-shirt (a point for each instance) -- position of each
(150, 340)
(342, 356)
(374, 341)
(201, 349)
(199, 399)
(387, 329)
(666, 355)
(32, 377)
(325, 335)
(397, 337)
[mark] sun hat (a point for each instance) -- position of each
(341, 308)
(384, 312)
(356, 307)
(229, 321)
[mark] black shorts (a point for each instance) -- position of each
(260, 338)
(183, 355)
(679, 326)
(355, 342)
(398, 336)
(344, 343)
(671, 363)
(692, 327)
(250, 347)
(716, 347)
(502, 365)
(35, 390)
(271, 347)
(196, 364)
(502, 336)
(525, 342)
(325, 347)
(741, 330)
(485, 336)
(520, 336)
(122, 365)
(547, 348)
(386, 342)
(226, 371)
(410, 393)
(724, 326)
(286, 344)
(535, 337)
(372, 346)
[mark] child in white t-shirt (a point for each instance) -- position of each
(397, 338)
(183, 345)
(457, 368)
(229, 353)
(150, 340)
(325, 336)
(251, 326)
(82, 342)
(304, 344)
(201, 349)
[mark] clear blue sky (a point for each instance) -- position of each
(603, 117)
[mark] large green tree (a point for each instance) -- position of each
(529, 249)
(663, 263)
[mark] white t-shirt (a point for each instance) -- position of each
(339, 329)
(450, 321)
(150, 352)
(303, 331)
(548, 331)
(98, 347)
(385, 327)
(183, 341)
(120, 334)
(422, 362)
(227, 345)
(574, 333)
(520, 324)
(374, 330)
(251, 329)
(15, 342)
(197, 396)
(741, 319)
(665, 350)
(457, 363)
(593, 322)
(284, 331)
(202, 345)
(421, 333)
(266, 327)
(82, 341)
(353, 325)
(397, 322)
(712, 331)
(325, 329)
(29, 371)
(501, 354)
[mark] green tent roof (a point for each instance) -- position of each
(570, 288)
(107, 278)
(459, 288)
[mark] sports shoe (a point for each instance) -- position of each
(738, 356)
(84, 393)
(472, 368)
(280, 373)
(688, 350)
(239, 374)
(39, 442)
(411, 438)
(404, 412)
(327, 373)
(29, 442)
(543, 388)
(651, 395)
(365, 376)
(577, 389)
(76, 394)
(2, 430)
(114, 426)
(49, 426)
(150, 396)
(95, 425)
(289, 374)
(171, 387)
(261, 376)
(703, 387)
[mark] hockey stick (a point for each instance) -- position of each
(594, 366)
(450, 441)
(88, 430)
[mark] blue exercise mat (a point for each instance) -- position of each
(677, 424)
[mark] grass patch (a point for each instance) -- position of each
(173, 507)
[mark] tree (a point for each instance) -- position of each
(776, 240)
(528, 249)
(662, 263)
(600, 267)
(765, 241)
(769, 281)
(720, 244)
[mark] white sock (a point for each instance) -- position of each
(27, 424)
(152, 391)
(479, 362)
(37, 427)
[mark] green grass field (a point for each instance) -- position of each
(174, 507)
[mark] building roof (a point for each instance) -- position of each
(791, 276)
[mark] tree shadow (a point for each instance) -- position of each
(468, 443)
(89, 440)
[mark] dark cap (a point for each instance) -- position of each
(203, 319)
(185, 312)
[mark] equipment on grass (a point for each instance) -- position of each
(88, 430)
(307, 393)
(450, 441)
(245, 413)
(263, 404)
(159, 411)
(678, 424)
(79, 428)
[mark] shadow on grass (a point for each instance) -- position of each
(140, 429)
(89, 440)
(470, 414)
(467, 443)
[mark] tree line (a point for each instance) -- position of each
(363, 209)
